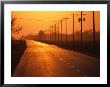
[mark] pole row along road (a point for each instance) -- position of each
(44, 60)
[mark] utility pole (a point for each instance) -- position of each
(50, 33)
(81, 27)
(47, 35)
(93, 28)
(81, 19)
(73, 28)
(61, 29)
(58, 31)
(66, 27)
(55, 33)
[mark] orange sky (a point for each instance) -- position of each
(33, 21)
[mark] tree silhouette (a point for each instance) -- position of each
(14, 28)
(12, 23)
(41, 35)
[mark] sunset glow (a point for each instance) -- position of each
(55, 43)
(34, 21)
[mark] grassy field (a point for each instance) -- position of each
(17, 49)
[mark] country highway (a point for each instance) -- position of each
(44, 60)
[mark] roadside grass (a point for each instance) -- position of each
(88, 47)
(17, 49)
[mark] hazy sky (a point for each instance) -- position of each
(34, 21)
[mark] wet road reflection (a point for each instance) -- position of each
(40, 59)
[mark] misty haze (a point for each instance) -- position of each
(55, 43)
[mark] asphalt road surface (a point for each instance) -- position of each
(44, 60)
